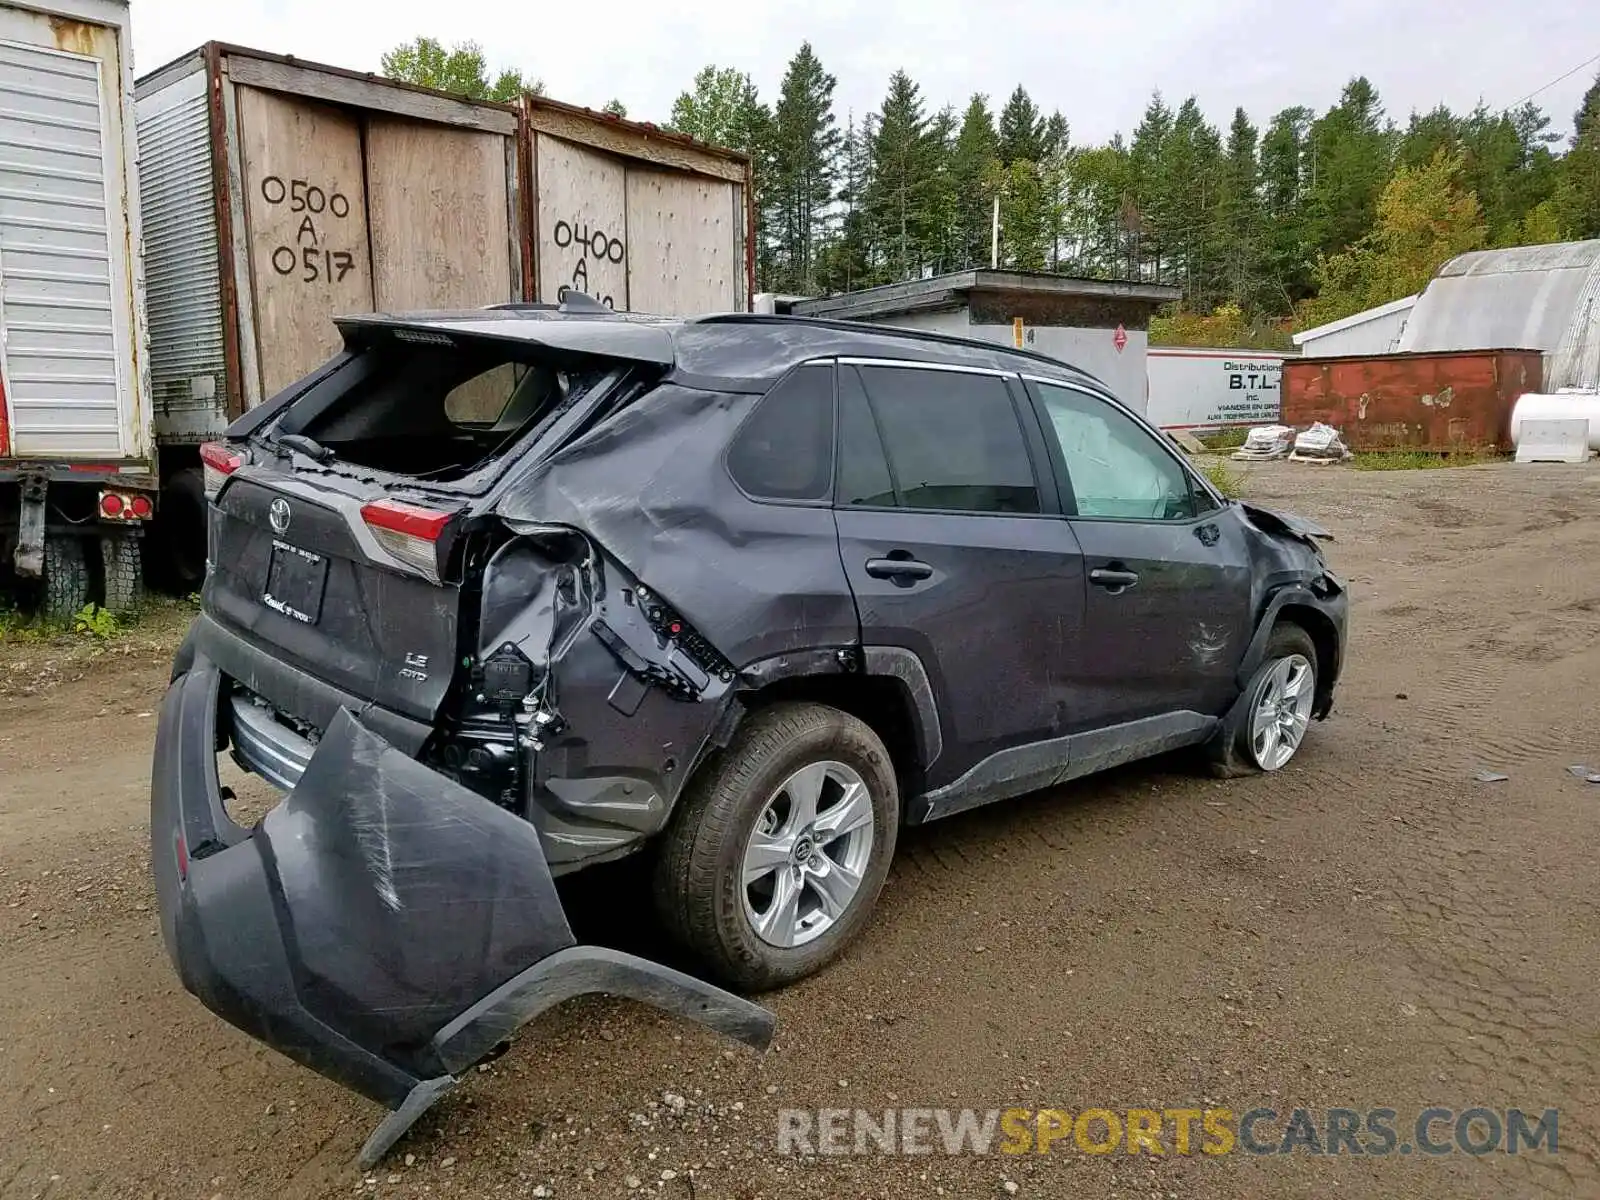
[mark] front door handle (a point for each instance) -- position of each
(901, 570)
(1113, 579)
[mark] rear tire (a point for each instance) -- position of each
(66, 577)
(709, 896)
(120, 560)
(1236, 750)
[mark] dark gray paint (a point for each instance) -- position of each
(382, 926)
(899, 663)
(386, 923)
(1021, 769)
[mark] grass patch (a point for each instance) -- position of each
(1421, 460)
(93, 625)
(1224, 479)
(37, 654)
(1224, 439)
(96, 622)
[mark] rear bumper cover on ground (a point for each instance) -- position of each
(383, 925)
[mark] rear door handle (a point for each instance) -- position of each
(898, 569)
(1112, 579)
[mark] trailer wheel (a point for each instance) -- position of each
(66, 577)
(124, 579)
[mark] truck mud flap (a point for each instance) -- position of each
(383, 925)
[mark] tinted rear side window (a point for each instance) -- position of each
(863, 469)
(953, 440)
(784, 450)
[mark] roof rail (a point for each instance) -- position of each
(893, 331)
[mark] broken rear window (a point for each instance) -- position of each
(440, 412)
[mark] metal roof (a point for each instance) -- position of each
(951, 291)
(1534, 297)
(1360, 318)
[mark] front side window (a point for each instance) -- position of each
(784, 450)
(952, 440)
(1115, 468)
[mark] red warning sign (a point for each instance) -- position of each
(1119, 339)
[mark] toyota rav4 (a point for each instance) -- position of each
(495, 596)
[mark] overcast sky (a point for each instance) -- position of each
(1096, 62)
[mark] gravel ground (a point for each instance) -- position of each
(1368, 928)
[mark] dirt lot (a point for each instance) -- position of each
(1369, 928)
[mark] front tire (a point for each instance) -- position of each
(1268, 726)
(780, 846)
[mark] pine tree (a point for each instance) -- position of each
(1285, 165)
(1022, 130)
(975, 152)
(1240, 217)
(943, 249)
(805, 143)
(1145, 214)
(1188, 194)
(1350, 162)
(1054, 176)
(1577, 199)
(846, 263)
(1426, 134)
(901, 193)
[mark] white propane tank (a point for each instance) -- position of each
(1557, 406)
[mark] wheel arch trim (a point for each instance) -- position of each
(1300, 600)
(885, 662)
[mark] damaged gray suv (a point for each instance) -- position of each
(495, 596)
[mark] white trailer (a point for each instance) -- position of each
(76, 470)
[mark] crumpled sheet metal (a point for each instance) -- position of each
(650, 488)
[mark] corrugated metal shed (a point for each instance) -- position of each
(1537, 297)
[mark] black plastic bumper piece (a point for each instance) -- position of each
(383, 926)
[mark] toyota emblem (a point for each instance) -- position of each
(278, 514)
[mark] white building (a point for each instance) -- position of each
(1096, 325)
(1375, 331)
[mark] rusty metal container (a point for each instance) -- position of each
(1441, 401)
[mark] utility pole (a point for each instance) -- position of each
(994, 235)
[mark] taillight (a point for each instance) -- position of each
(125, 507)
(409, 532)
(219, 462)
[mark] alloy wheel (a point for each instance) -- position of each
(807, 854)
(1282, 711)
